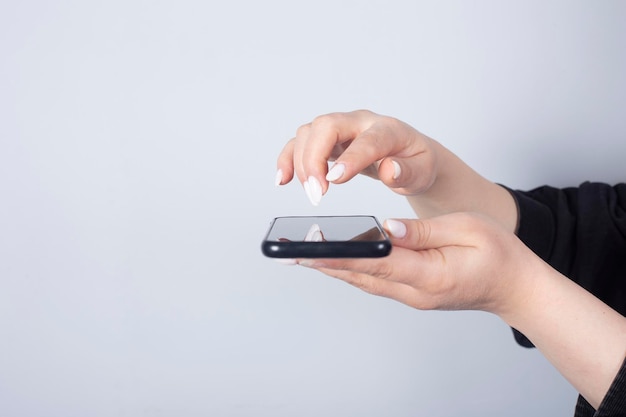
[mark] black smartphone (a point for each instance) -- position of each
(326, 237)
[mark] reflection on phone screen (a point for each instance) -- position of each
(326, 229)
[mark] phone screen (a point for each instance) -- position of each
(326, 236)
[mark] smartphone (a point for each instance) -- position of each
(326, 237)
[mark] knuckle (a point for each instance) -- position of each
(325, 126)
(355, 279)
(374, 281)
(422, 232)
(364, 114)
(303, 130)
(392, 122)
(324, 121)
(383, 270)
(370, 285)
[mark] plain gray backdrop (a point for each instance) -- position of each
(138, 142)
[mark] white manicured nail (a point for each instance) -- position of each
(307, 190)
(315, 190)
(396, 228)
(309, 263)
(396, 170)
(314, 230)
(335, 172)
(286, 261)
(279, 177)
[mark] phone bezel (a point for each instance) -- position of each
(326, 249)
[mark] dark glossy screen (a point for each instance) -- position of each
(332, 228)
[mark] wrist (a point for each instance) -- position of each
(457, 187)
(523, 290)
(579, 334)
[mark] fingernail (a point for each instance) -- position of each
(279, 177)
(396, 170)
(307, 190)
(286, 261)
(335, 172)
(395, 228)
(309, 263)
(317, 236)
(311, 234)
(315, 190)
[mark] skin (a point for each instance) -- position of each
(465, 261)
(433, 179)
(463, 253)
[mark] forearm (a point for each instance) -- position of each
(458, 187)
(580, 335)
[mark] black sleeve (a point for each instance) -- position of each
(581, 232)
(613, 404)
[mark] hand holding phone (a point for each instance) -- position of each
(326, 237)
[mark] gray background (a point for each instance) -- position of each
(137, 157)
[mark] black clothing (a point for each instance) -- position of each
(581, 232)
(614, 403)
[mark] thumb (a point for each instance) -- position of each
(437, 232)
(412, 175)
